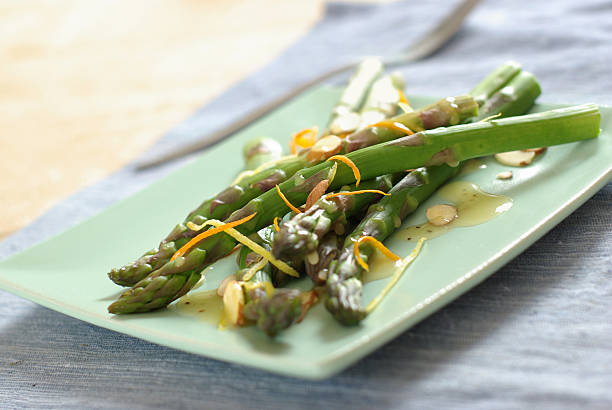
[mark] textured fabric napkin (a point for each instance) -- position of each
(534, 335)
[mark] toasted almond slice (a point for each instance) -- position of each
(325, 148)
(233, 302)
(441, 214)
(538, 151)
(515, 158)
(371, 117)
(504, 175)
(223, 284)
(309, 299)
(346, 122)
(316, 193)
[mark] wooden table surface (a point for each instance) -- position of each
(86, 86)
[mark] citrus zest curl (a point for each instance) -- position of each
(303, 139)
(378, 245)
(395, 277)
(286, 201)
(195, 240)
(393, 125)
(347, 161)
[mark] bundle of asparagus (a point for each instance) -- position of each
(434, 139)
(239, 194)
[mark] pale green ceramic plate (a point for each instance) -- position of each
(68, 272)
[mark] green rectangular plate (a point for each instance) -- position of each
(68, 272)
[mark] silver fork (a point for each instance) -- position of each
(421, 48)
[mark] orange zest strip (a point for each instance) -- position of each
(286, 201)
(378, 245)
(402, 97)
(345, 160)
(276, 224)
(393, 125)
(194, 241)
(363, 191)
(303, 139)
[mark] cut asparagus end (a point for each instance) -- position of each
(357, 89)
(515, 98)
(493, 82)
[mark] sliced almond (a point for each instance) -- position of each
(347, 122)
(223, 284)
(325, 148)
(371, 117)
(233, 302)
(515, 158)
(309, 299)
(538, 151)
(441, 214)
(504, 175)
(316, 193)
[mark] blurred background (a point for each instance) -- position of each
(86, 86)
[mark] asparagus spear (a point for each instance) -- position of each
(383, 99)
(218, 207)
(301, 234)
(260, 151)
(381, 102)
(345, 112)
(492, 83)
(344, 279)
(271, 309)
(515, 98)
(442, 113)
(329, 249)
(445, 112)
(433, 147)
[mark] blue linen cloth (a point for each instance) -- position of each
(537, 334)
